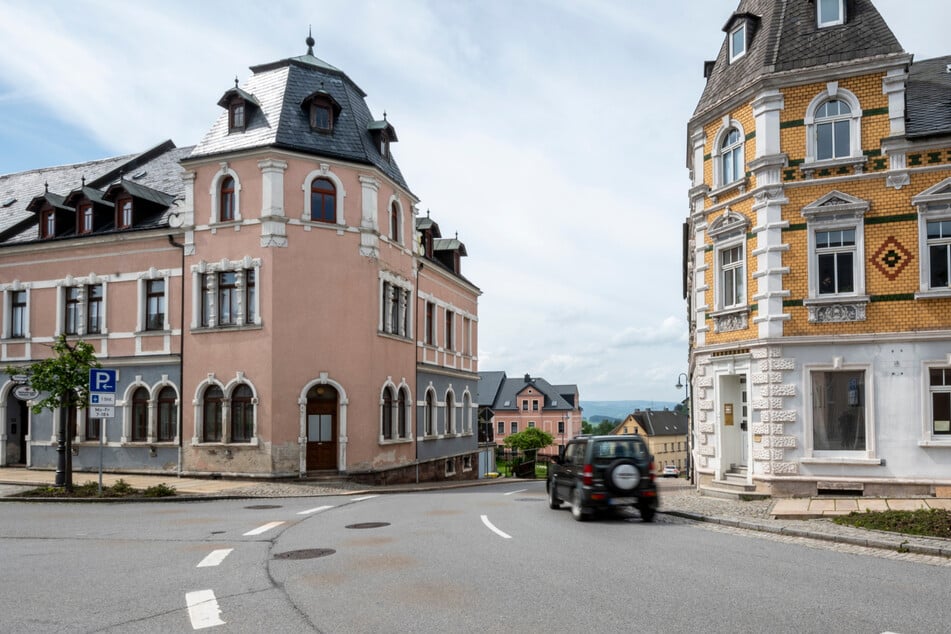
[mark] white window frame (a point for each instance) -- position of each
(728, 232)
(215, 193)
(847, 212)
(198, 402)
(143, 307)
(736, 270)
(718, 154)
(400, 234)
(324, 172)
(834, 92)
(839, 4)
(449, 405)
(934, 204)
(928, 437)
(8, 312)
(205, 284)
(395, 288)
(395, 412)
(739, 29)
(811, 455)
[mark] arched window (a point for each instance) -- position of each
(387, 413)
(226, 200)
(401, 412)
(429, 415)
(450, 413)
(242, 414)
(140, 415)
(731, 157)
(211, 414)
(394, 222)
(167, 415)
(466, 413)
(323, 201)
(833, 130)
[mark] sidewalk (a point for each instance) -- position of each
(793, 517)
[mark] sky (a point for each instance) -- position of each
(549, 134)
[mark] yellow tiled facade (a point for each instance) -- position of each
(827, 365)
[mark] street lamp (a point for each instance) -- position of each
(685, 383)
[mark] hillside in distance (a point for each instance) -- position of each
(596, 411)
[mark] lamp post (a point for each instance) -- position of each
(685, 383)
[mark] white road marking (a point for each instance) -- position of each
(214, 558)
(203, 610)
(263, 529)
(519, 491)
(365, 497)
(316, 510)
(488, 524)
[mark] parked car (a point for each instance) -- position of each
(671, 471)
(594, 473)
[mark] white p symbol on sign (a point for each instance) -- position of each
(102, 380)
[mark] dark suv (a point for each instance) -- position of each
(594, 473)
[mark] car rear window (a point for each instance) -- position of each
(615, 449)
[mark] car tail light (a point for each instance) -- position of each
(587, 478)
(652, 471)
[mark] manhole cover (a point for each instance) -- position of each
(261, 507)
(307, 553)
(369, 525)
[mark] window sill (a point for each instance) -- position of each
(228, 328)
(740, 185)
(842, 460)
(934, 442)
(809, 168)
(934, 293)
(224, 445)
(395, 441)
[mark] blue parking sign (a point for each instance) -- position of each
(102, 380)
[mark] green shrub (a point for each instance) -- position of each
(160, 490)
(930, 522)
(121, 488)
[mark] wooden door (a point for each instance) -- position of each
(322, 428)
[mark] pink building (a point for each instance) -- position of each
(266, 295)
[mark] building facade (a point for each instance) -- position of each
(665, 432)
(817, 255)
(263, 295)
(514, 405)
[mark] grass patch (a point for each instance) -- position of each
(90, 489)
(925, 523)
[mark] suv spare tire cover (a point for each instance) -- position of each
(623, 475)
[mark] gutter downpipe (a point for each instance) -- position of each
(181, 353)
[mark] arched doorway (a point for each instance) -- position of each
(322, 407)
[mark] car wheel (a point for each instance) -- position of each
(647, 513)
(577, 511)
(553, 501)
(622, 476)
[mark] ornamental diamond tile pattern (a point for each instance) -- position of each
(891, 258)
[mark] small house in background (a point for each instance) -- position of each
(665, 432)
(508, 406)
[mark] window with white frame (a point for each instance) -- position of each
(225, 196)
(836, 243)
(386, 414)
(833, 127)
(514, 427)
(501, 428)
(939, 252)
(939, 390)
(738, 41)
(394, 307)
(450, 413)
(731, 273)
(167, 423)
(732, 167)
(228, 294)
(227, 418)
(429, 414)
(934, 239)
(17, 314)
(838, 416)
(835, 261)
(154, 306)
(466, 422)
(830, 12)
(82, 309)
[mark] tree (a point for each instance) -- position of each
(64, 379)
(531, 438)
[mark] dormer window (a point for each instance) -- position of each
(48, 223)
(322, 109)
(123, 213)
(236, 116)
(85, 218)
(830, 12)
(738, 42)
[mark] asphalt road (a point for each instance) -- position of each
(483, 559)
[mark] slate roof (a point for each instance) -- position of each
(280, 88)
(157, 169)
(787, 38)
(663, 423)
(928, 98)
(499, 392)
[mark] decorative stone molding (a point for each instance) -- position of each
(837, 313)
(731, 321)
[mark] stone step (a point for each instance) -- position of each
(726, 492)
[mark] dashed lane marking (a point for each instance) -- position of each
(365, 497)
(315, 510)
(519, 491)
(214, 558)
(203, 610)
(263, 529)
(491, 527)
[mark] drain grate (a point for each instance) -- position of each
(369, 525)
(306, 553)
(262, 507)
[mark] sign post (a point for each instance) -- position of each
(102, 400)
